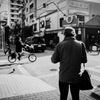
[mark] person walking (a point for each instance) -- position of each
(55, 40)
(69, 54)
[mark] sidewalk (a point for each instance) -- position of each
(2, 53)
(19, 87)
(16, 86)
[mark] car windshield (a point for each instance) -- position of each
(38, 40)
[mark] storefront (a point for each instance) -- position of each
(73, 22)
(92, 31)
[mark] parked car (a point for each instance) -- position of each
(37, 42)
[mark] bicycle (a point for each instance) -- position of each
(13, 56)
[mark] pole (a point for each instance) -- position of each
(3, 35)
(57, 8)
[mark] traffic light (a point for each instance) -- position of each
(44, 5)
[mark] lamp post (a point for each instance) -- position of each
(2, 35)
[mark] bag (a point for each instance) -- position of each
(85, 81)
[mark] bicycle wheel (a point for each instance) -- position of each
(32, 57)
(11, 59)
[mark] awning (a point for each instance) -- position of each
(93, 23)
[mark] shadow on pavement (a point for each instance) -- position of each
(53, 69)
(4, 65)
(95, 96)
(12, 71)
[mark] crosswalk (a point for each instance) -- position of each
(95, 77)
(94, 71)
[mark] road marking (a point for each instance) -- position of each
(94, 77)
(3, 61)
(94, 87)
(22, 70)
(49, 75)
(93, 69)
(97, 78)
(98, 66)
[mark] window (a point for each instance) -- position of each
(26, 9)
(26, 1)
(12, 15)
(26, 19)
(31, 0)
(12, 20)
(61, 22)
(12, 1)
(31, 8)
(11, 6)
(31, 16)
(80, 17)
(93, 15)
(35, 27)
(11, 10)
(48, 23)
(42, 24)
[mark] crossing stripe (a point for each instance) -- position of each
(22, 70)
(93, 69)
(94, 77)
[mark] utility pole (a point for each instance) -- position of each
(2, 34)
(35, 1)
(23, 14)
(22, 9)
(45, 5)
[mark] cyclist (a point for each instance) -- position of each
(19, 46)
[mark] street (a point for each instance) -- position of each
(43, 69)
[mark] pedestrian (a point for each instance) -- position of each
(19, 46)
(55, 40)
(69, 54)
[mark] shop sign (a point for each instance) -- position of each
(76, 4)
(71, 20)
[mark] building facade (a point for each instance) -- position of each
(54, 15)
(13, 12)
(30, 12)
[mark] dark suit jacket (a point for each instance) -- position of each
(69, 54)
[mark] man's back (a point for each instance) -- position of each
(70, 59)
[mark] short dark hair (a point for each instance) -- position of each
(69, 32)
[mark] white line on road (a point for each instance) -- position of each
(93, 69)
(49, 75)
(22, 70)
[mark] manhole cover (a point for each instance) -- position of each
(53, 69)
